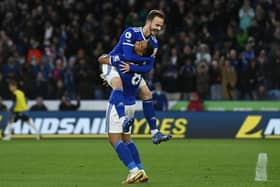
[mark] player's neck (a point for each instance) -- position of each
(146, 31)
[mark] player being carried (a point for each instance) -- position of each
(120, 138)
(124, 51)
(18, 109)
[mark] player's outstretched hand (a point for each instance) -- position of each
(124, 67)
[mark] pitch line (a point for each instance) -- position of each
(261, 168)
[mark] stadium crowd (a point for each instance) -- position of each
(217, 48)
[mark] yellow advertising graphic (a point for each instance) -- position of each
(175, 126)
(250, 124)
(270, 131)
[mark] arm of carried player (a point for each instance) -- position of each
(125, 67)
(111, 60)
(104, 59)
(130, 56)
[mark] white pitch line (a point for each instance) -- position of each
(261, 171)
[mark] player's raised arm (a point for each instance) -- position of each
(125, 67)
(142, 48)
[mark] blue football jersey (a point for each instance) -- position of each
(131, 83)
(126, 43)
(125, 47)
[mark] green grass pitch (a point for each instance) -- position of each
(178, 163)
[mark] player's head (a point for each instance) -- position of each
(143, 48)
(12, 85)
(39, 100)
(155, 21)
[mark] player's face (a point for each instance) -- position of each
(12, 88)
(140, 46)
(156, 25)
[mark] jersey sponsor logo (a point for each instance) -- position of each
(136, 79)
(249, 128)
(116, 58)
(128, 35)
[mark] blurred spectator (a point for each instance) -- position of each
(275, 75)
(261, 93)
(202, 80)
(229, 80)
(160, 101)
(43, 35)
(3, 87)
(11, 69)
(215, 80)
(39, 87)
(195, 104)
(34, 55)
(3, 107)
(59, 90)
(57, 71)
(252, 79)
(85, 78)
(186, 80)
(39, 105)
(246, 14)
(66, 105)
(169, 80)
(69, 77)
(203, 54)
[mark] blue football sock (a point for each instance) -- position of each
(149, 113)
(117, 99)
(135, 154)
(124, 155)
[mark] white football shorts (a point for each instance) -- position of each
(113, 122)
(109, 72)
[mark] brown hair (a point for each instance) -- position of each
(149, 50)
(155, 13)
(13, 83)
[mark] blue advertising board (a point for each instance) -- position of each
(180, 124)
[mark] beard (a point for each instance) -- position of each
(154, 32)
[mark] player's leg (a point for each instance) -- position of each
(136, 156)
(25, 118)
(12, 119)
(115, 138)
(112, 77)
(148, 110)
(126, 137)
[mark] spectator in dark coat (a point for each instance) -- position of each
(66, 104)
(160, 101)
(39, 105)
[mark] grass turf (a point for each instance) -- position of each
(178, 163)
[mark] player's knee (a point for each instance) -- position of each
(126, 138)
(114, 138)
(116, 83)
(145, 93)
